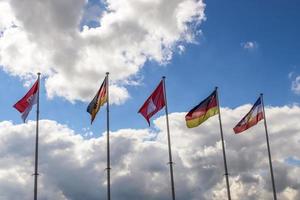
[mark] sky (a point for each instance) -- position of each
(243, 47)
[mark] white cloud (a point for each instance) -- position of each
(7, 18)
(290, 75)
(47, 38)
(72, 167)
(250, 45)
(181, 49)
(296, 85)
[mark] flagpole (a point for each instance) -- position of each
(169, 141)
(223, 147)
(107, 137)
(269, 151)
(37, 140)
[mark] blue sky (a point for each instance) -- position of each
(218, 59)
(243, 47)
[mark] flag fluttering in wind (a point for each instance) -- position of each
(204, 110)
(251, 118)
(256, 114)
(98, 100)
(200, 113)
(25, 104)
(154, 103)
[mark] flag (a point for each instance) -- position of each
(25, 104)
(252, 117)
(154, 103)
(98, 100)
(204, 110)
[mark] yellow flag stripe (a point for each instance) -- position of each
(199, 120)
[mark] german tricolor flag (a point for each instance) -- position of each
(98, 100)
(204, 110)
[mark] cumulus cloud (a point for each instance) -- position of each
(250, 45)
(7, 18)
(296, 85)
(72, 167)
(47, 37)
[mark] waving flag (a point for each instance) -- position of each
(98, 100)
(252, 117)
(154, 103)
(25, 104)
(204, 110)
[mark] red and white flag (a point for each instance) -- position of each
(25, 104)
(154, 103)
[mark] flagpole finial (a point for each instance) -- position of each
(261, 95)
(39, 73)
(164, 77)
(107, 73)
(216, 88)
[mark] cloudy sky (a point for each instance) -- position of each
(244, 47)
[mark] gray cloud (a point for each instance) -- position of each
(72, 167)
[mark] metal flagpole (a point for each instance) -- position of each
(107, 137)
(37, 140)
(269, 151)
(169, 142)
(223, 147)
